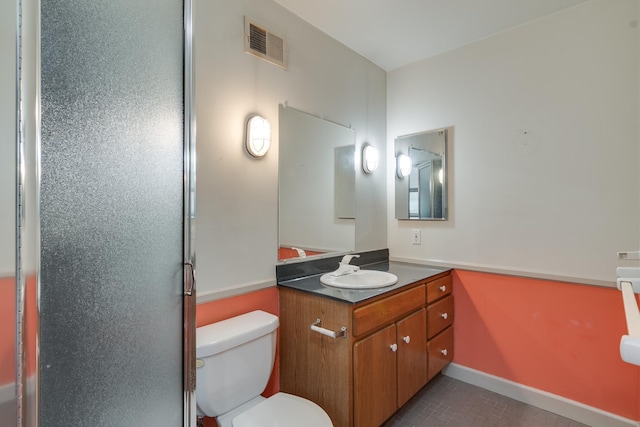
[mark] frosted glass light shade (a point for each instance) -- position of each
(403, 166)
(258, 136)
(370, 158)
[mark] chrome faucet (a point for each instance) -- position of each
(344, 266)
(301, 252)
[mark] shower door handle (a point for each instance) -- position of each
(189, 279)
(189, 353)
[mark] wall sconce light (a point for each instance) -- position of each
(370, 158)
(403, 167)
(258, 136)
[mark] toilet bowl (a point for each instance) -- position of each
(234, 362)
(281, 410)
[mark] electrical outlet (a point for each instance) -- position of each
(415, 236)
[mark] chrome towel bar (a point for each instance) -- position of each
(317, 327)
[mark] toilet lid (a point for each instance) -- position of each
(283, 410)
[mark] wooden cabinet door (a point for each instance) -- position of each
(374, 370)
(412, 355)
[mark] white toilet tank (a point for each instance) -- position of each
(235, 359)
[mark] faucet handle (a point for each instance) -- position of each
(347, 258)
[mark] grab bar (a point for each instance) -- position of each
(629, 286)
(317, 327)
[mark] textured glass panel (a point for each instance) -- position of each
(111, 213)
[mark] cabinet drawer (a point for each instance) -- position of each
(369, 317)
(438, 288)
(439, 316)
(440, 351)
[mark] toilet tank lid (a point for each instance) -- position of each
(221, 336)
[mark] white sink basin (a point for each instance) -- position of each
(361, 279)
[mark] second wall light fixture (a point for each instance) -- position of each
(403, 166)
(258, 136)
(370, 158)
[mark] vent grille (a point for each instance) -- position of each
(275, 47)
(264, 44)
(257, 39)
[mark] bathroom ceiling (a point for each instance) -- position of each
(393, 33)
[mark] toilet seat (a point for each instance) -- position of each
(283, 410)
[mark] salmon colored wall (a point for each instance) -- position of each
(558, 337)
(265, 300)
(287, 253)
(32, 324)
(7, 330)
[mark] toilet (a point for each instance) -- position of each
(234, 362)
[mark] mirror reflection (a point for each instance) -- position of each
(421, 175)
(316, 184)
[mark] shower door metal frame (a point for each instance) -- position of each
(189, 282)
(24, 121)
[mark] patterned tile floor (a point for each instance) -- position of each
(448, 402)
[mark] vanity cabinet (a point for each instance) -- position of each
(362, 379)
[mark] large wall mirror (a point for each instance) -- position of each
(421, 175)
(316, 184)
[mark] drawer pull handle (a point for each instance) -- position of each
(443, 288)
(317, 327)
(444, 352)
(406, 339)
(394, 347)
(444, 316)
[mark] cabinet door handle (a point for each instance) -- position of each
(444, 352)
(394, 347)
(443, 288)
(406, 339)
(444, 316)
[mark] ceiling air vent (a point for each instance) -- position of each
(264, 44)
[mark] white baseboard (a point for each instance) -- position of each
(549, 402)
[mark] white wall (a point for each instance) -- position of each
(563, 199)
(237, 196)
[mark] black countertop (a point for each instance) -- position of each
(407, 274)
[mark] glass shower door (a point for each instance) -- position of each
(111, 213)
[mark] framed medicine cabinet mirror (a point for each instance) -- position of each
(421, 176)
